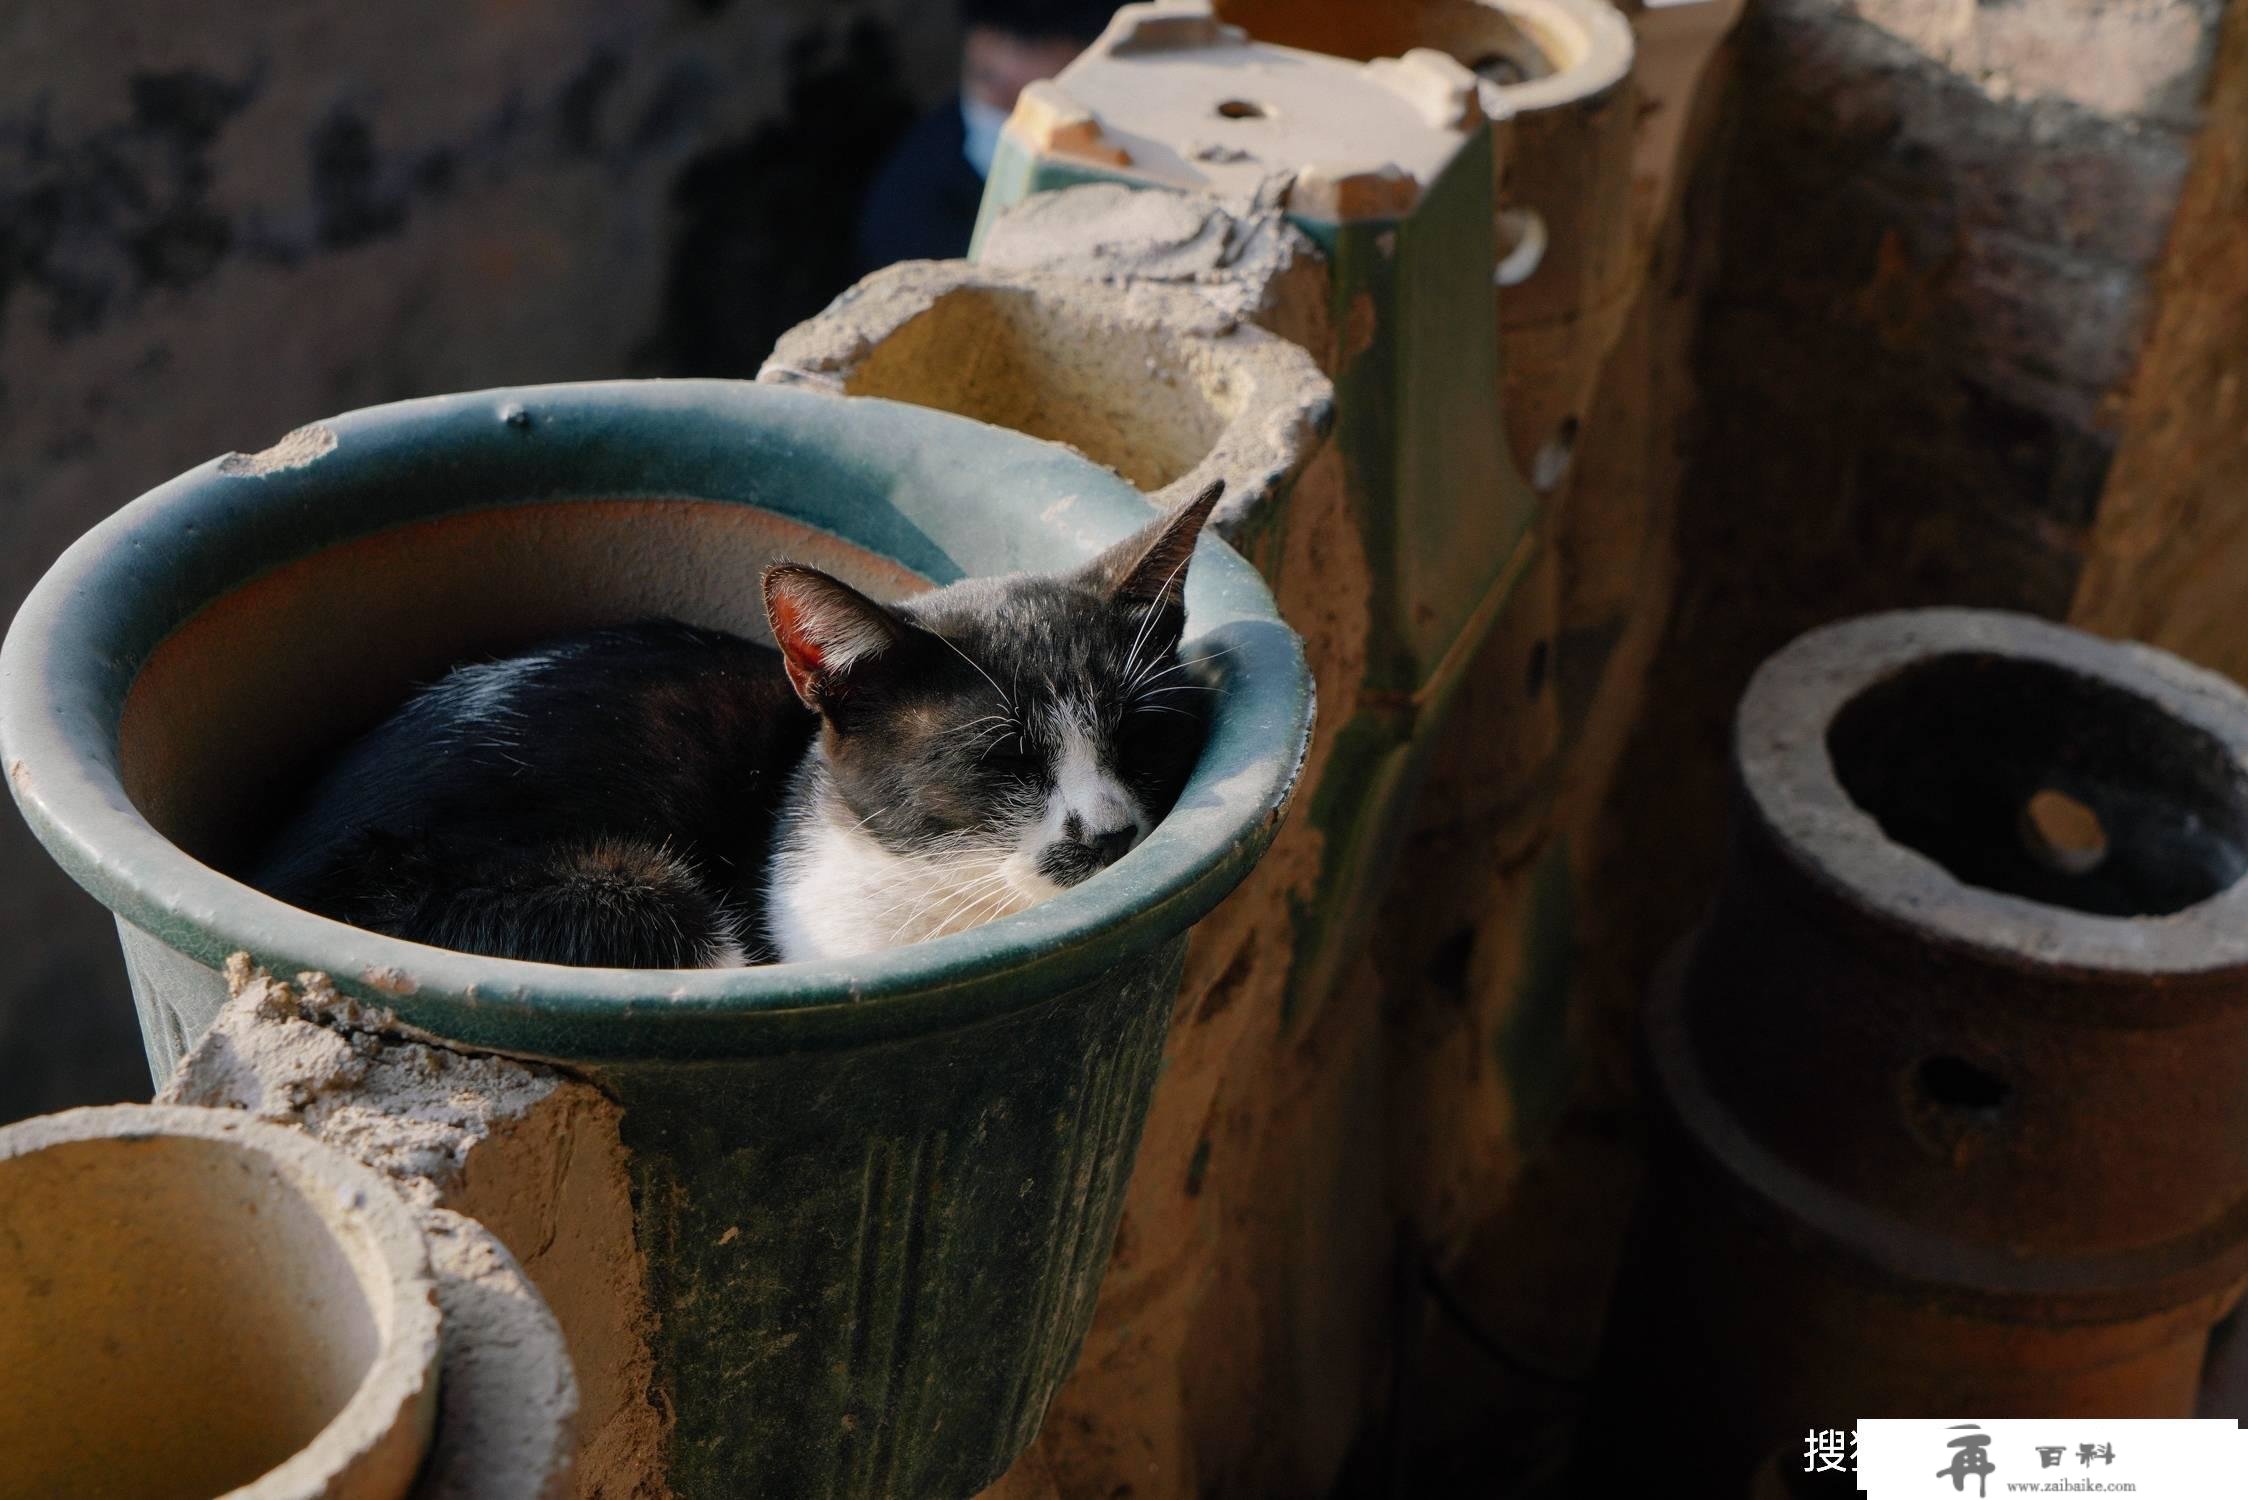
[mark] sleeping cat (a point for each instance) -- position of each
(663, 796)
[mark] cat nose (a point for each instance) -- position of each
(1112, 846)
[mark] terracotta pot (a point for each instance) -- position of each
(1950, 1078)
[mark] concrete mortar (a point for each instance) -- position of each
(529, 1153)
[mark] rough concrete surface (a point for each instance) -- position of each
(507, 1399)
(1238, 255)
(1927, 303)
(1513, 1149)
(2171, 543)
(1168, 388)
(531, 1155)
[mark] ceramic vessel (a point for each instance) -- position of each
(875, 1195)
(1947, 1085)
(195, 1303)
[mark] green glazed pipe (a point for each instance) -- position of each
(876, 1195)
(1442, 515)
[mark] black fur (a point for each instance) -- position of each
(603, 800)
(611, 797)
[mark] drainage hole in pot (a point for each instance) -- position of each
(1243, 109)
(2063, 832)
(1956, 1085)
(2032, 779)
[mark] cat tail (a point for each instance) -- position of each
(616, 903)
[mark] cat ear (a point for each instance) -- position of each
(1149, 566)
(825, 629)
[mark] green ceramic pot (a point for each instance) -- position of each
(876, 1195)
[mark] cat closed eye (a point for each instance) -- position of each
(1010, 763)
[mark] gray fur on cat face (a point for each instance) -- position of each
(1025, 732)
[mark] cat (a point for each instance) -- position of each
(660, 795)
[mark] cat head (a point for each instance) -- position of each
(1038, 724)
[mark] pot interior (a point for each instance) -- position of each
(176, 1319)
(2023, 777)
(236, 710)
(1038, 365)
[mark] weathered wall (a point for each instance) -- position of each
(2170, 549)
(1942, 241)
(220, 221)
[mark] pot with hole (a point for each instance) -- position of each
(1950, 1077)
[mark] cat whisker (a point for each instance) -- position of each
(997, 903)
(1147, 614)
(861, 823)
(992, 744)
(1004, 696)
(1007, 897)
(958, 895)
(919, 872)
(1154, 670)
(1134, 667)
(954, 859)
(951, 919)
(1181, 666)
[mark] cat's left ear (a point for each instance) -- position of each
(827, 631)
(1148, 568)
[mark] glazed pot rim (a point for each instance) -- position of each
(1786, 773)
(92, 622)
(394, 1404)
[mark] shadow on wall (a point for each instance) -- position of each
(215, 229)
(765, 232)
